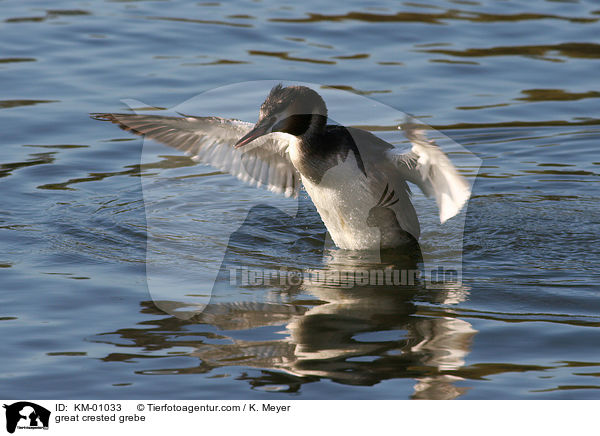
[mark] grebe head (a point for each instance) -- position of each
(296, 110)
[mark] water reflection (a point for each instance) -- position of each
(197, 21)
(581, 50)
(50, 14)
(430, 17)
(355, 318)
(6, 169)
(537, 95)
(7, 104)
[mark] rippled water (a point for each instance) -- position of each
(515, 83)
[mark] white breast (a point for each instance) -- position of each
(343, 200)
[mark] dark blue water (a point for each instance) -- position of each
(84, 289)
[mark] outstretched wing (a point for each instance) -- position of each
(428, 167)
(210, 140)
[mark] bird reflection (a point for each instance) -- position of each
(353, 318)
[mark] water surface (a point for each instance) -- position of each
(515, 83)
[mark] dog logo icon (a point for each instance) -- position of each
(26, 415)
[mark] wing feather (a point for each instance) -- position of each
(427, 166)
(210, 140)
